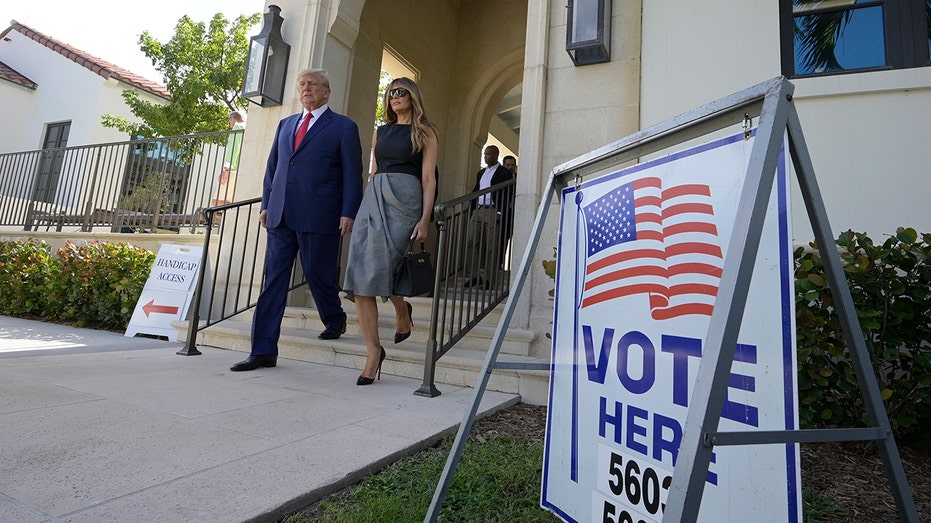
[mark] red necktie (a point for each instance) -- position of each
(302, 130)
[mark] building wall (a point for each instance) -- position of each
(464, 57)
(388, 24)
(17, 104)
(66, 92)
(592, 105)
(567, 112)
(869, 151)
(489, 62)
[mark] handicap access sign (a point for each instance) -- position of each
(168, 291)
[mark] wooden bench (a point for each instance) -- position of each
(36, 219)
(120, 220)
(150, 222)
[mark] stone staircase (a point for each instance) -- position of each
(460, 366)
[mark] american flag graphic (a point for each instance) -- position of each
(644, 239)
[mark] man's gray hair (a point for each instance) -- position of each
(320, 73)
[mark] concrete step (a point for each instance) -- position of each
(460, 366)
(516, 341)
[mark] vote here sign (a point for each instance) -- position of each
(640, 258)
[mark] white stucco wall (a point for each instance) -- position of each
(66, 91)
(17, 102)
(869, 147)
(865, 131)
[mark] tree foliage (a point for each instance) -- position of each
(202, 67)
(384, 80)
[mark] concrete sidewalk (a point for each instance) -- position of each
(97, 427)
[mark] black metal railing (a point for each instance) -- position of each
(158, 184)
(234, 267)
(173, 184)
(472, 269)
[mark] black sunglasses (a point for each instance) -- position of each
(398, 92)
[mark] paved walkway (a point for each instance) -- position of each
(98, 427)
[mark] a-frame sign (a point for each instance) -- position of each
(770, 102)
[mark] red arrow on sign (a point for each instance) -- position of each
(152, 308)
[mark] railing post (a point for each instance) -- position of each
(190, 348)
(428, 387)
(466, 311)
(91, 193)
(30, 216)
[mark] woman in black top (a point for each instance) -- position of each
(395, 208)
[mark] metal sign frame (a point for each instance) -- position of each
(771, 102)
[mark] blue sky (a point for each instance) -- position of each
(110, 29)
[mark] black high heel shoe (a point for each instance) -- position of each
(368, 381)
(399, 337)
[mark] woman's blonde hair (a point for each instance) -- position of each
(421, 126)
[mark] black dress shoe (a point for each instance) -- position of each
(254, 362)
(332, 333)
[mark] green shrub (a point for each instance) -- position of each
(891, 289)
(25, 269)
(98, 284)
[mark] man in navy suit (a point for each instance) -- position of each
(311, 192)
(489, 212)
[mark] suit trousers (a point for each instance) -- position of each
(484, 242)
(319, 257)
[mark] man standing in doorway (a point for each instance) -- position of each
(311, 192)
(489, 212)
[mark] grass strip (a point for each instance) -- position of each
(497, 480)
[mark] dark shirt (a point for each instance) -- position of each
(394, 152)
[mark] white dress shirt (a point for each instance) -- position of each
(485, 183)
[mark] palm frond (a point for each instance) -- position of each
(817, 37)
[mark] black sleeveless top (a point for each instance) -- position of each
(394, 153)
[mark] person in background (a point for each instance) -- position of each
(510, 163)
(230, 160)
(489, 211)
(310, 196)
(395, 209)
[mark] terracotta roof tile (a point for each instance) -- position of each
(11, 75)
(97, 65)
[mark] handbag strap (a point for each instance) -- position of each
(410, 246)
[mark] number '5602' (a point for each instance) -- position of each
(623, 517)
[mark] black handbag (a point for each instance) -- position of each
(414, 276)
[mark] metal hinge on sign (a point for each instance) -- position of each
(747, 123)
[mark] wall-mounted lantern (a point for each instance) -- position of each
(267, 62)
(588, 31)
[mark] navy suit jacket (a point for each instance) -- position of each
(313, 186)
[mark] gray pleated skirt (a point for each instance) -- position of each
(391, 207)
